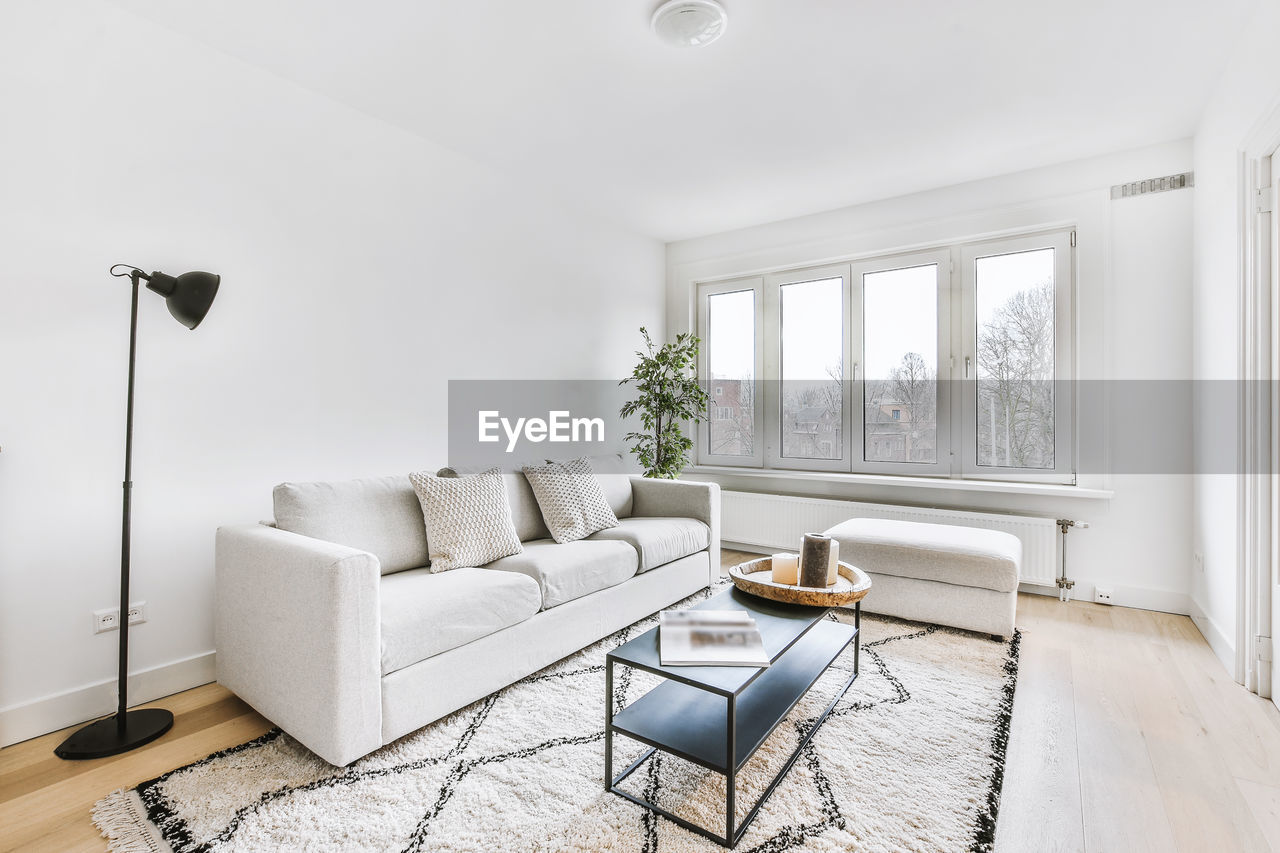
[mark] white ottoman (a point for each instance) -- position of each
(958, 576)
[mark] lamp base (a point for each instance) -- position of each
(106, 737)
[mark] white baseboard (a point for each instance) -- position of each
(82, 704)
(1222, 646)
(1139, 597)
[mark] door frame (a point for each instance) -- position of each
(1259, 446)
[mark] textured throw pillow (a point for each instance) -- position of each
(613, 473)
(570, 499)
(468, 519)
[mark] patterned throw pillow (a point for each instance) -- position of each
(572, 504)
(468, 519)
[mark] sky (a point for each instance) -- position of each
(900, 316)
(999, 277)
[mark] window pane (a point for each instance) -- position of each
(900, 365)
(731, 360)
(1014, 304)
(813, 369)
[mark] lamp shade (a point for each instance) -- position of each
(188, 296)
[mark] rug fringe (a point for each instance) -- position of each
(121, 820)
(984, 838)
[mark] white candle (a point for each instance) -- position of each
(786, 568)
(833, 567)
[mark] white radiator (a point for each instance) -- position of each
(776, 523)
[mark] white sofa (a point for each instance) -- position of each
(329, 625)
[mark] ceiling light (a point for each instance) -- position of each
(690, 23)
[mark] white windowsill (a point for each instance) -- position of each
(935, 483)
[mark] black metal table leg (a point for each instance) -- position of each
(731, 764)
(857, 636)
(608, 722)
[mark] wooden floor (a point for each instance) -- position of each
(1128, 735)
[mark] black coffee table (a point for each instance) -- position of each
(718, 716)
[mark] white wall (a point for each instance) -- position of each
(1134, 320)
(362, 268)
(1247, 92)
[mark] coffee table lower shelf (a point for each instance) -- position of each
(705, 726)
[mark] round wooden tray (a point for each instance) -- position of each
(754, 577)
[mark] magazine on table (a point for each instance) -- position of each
(710, 638)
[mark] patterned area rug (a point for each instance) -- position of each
(911, 759)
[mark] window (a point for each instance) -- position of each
(812, 399)
(730, 324)
(1017, 406)
(951, 362)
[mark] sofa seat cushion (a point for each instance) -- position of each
(569, 570)
(963, 556)
(425, 613)
(659, 541)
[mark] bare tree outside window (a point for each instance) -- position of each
(901, 413)
(812, 411)
(900, 395)
(1015, 354)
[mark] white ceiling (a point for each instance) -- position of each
(803, 105)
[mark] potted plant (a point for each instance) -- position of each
(667, 378)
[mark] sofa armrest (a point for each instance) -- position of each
(297, 633)
(681, 499)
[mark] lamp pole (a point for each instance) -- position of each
(126, 525)
(188, 297)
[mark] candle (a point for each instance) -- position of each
(786, 568)
(815, 559)
(833, 567)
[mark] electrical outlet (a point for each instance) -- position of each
(137, 612)
(1198, 559)
(1102, 594)
(108, 619)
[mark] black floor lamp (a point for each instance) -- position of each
(189, 297)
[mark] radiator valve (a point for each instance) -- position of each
(1065, 584)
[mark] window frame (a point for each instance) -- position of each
(1064, 458)
(773, 285)
(942, 465)
(956, 439)
(702, 451)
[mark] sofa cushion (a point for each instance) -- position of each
(615, 481)
(468, 519)
(573, 505)
(525, 514)
(573, 569)
(424, 614)
(381, 516)
(963, 556)
(658, 541)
